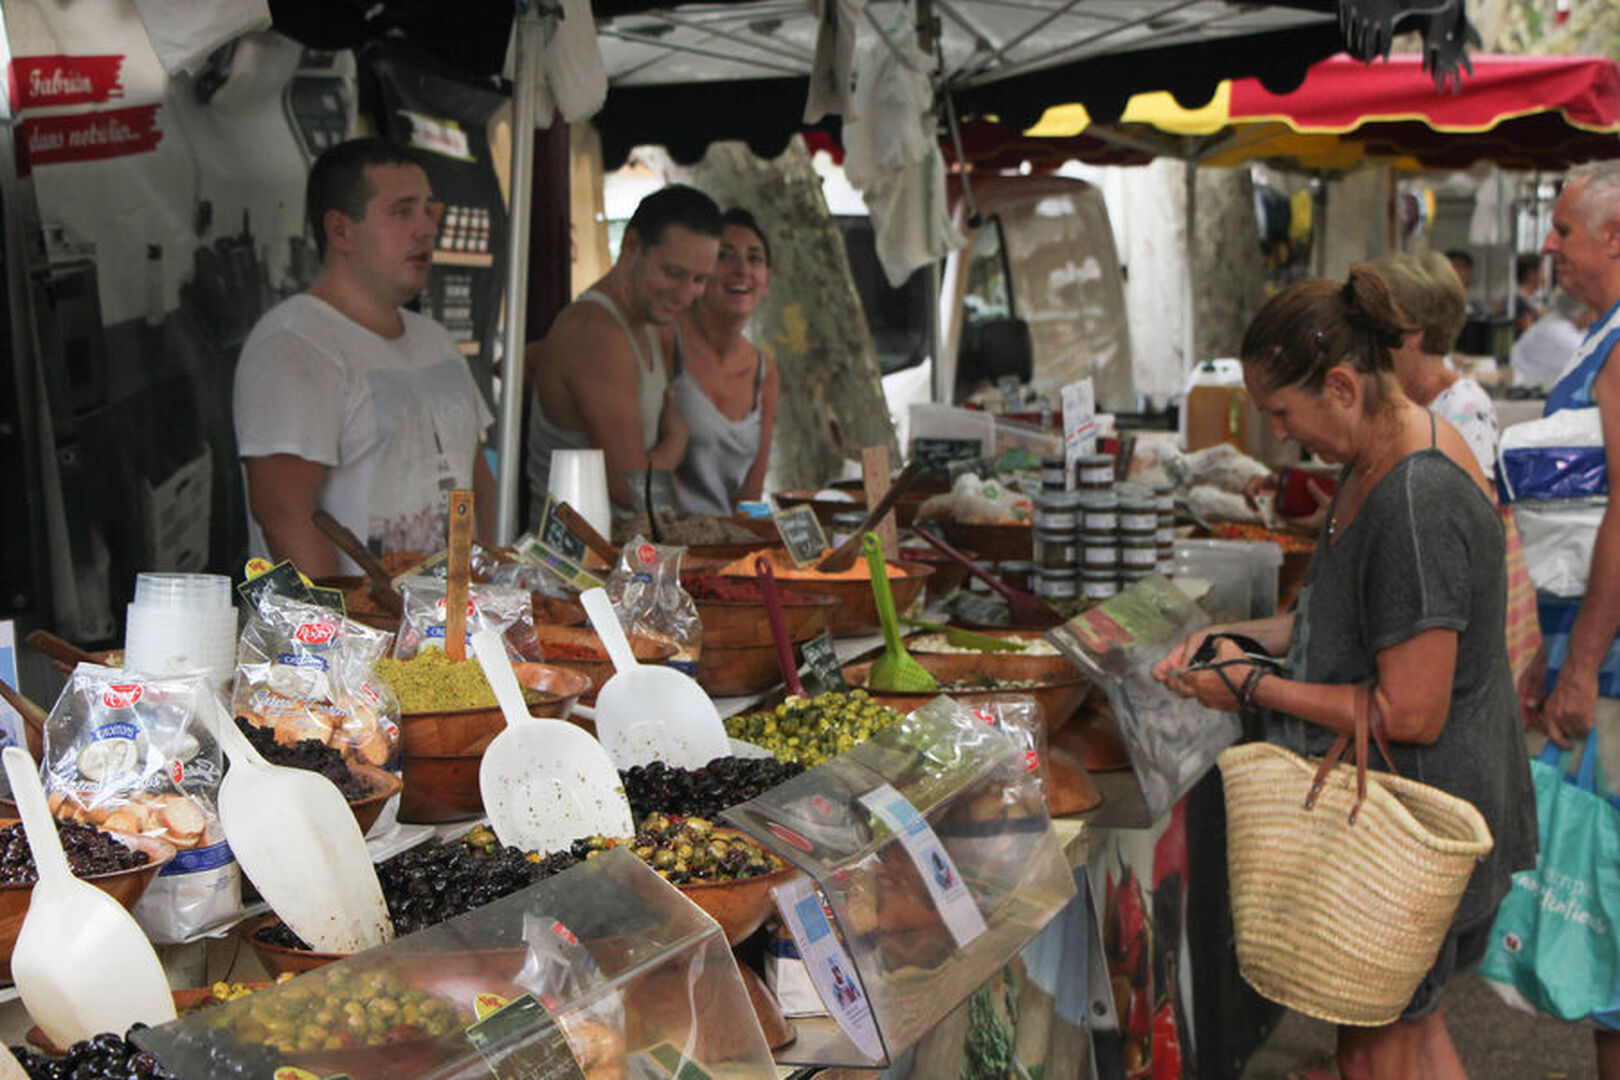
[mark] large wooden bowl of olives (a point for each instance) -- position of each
(740, 906)
(119, 865)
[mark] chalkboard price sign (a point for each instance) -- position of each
(938, 454)
(822, 671)
(558, 538)
(801, 532)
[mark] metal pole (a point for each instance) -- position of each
(1189, 345)
(509, 468)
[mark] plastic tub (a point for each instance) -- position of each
(1243, 573)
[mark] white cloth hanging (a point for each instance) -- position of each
(832, 71)
(566, 74)
(892, 157)
(183, 32)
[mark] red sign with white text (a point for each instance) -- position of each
(93, 136)
(45, 82)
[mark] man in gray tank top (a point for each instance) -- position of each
(600, 377)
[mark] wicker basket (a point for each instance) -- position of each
(1336, 920)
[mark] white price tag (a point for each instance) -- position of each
(955, 904)
(1079, 421)
(828, 962)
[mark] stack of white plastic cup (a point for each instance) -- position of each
(579, 478)
(181, 624)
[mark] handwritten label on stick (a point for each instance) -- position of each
(801, 532)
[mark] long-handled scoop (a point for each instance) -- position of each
(646, 713)
(779, 633)
(967, 639)
(896, 669)
(842, 557)
(81, 963)
(298, 842)
(1026, 611)
(382, 586)
(545, 783)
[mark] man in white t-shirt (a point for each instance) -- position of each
(346, 402)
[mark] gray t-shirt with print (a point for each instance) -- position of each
(1425, 551)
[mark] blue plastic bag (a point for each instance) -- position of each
(1555, 938)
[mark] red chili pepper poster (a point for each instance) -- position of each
(91, 136)
(47, 82)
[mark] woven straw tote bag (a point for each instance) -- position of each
(1343, 884)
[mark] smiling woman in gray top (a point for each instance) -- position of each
(727, 386)
(1405, 592)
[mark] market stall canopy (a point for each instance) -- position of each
(1520, 112)
(680, 72)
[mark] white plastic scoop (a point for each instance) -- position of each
(648, 713)
(82, 964)
(545, 783)
(298, 842)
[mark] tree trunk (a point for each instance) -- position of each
(1229, 277)
(811, 323)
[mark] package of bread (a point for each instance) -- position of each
(305, 672)
(135, 754)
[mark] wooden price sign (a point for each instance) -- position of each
(822, 671)
(801, 532)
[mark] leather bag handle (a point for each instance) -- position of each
(1368, 720)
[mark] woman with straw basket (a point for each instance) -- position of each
(1400, 623)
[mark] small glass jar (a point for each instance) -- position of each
(1138, 554)
(1057, 510)
(1099, 550)
(1137, 515)
(1094, 472)
(1099, 511)
(1165, 535)
(1098, 584)
(1054, 549)
(842, 526)
(1016, 573)
(1054, 473)
(1052, 584)
(1164, 499)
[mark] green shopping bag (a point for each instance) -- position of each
(1556, 940)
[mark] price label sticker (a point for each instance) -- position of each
(822, 672)
(573, 574)
(283, 579)
(557, 537)
(940, 453)
(955, 904)
(831, 969)
(521, 1041)
(801, 532)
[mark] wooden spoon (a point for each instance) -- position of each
(43, 641)
(382, 586)
(842, 557)
(455, 594)
(583, 529)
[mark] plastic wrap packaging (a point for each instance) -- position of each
(972, 500)
(1019, 715)
(135, 754)
(305, 672)
(647, 594)
(602, 971)
(507, 611)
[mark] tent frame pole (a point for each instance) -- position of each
(509, 429)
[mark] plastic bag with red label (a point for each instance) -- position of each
(507, 611)
(647, 593)
(136, 755)
(1019, 715)
(305, 672)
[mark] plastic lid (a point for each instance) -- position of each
(196, 592)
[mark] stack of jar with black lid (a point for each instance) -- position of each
(1138, 533)
(1164, 500)
(1099, 526)
(1056, 534)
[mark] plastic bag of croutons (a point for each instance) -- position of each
(136, 754)
(305, 672)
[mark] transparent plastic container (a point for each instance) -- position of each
(1243, 572)
(187, 592)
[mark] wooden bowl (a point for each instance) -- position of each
(905, 507)
(740, 907)
(805, 611)
(949, 575)
(557, 610)
(440, 751)
(738, 669)
(384, 785)
(994, 543)
(278, 958)
(125, 886)
(599, 671)
(358, 601)
(856, 613)
(1062, 690)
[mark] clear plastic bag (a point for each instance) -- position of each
(647, 593)
(134, 754)
(507, 611)
(305, 672)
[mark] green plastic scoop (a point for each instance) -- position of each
(896, 669)
(968, 639)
